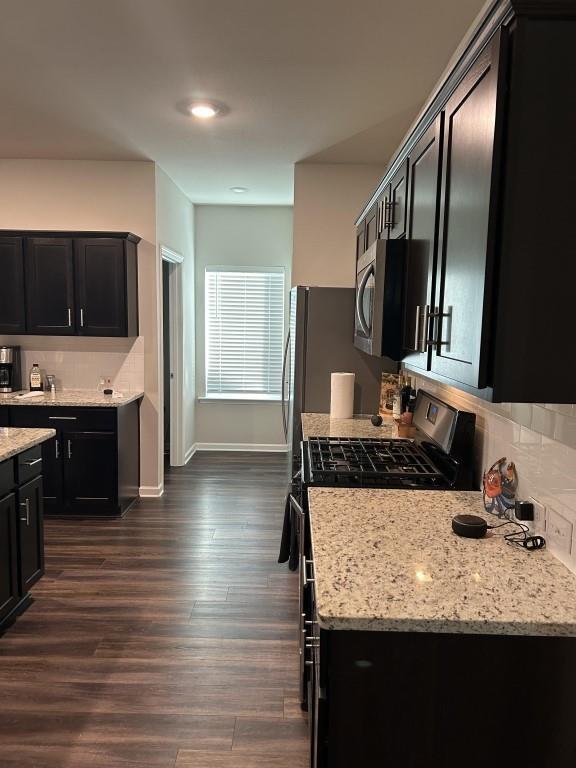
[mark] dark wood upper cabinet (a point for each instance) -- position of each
(12, 302)
(360, 240)
(397, 209)
(372, 226)
(500, 295)
(49, 274)
(69, 283)
(470, 120)
(421, 245)
(105, 287)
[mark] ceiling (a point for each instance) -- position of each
(314, 80)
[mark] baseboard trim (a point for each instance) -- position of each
(151, 491)
(190, 452)
(251, 447)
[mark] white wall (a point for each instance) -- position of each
(328, 198)
(238, 236)
(175, 229)
(97, 195)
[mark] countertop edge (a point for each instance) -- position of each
(40, 436)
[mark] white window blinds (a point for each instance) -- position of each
(244, 333)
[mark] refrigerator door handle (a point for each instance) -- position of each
(284, 418)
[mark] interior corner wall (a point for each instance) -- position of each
(328, 198)
(240, 236)
(175, 230)
(100, 196)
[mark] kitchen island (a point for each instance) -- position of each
(432, 649)
(92, 464)
(21, 518)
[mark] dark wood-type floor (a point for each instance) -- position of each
(165, 639)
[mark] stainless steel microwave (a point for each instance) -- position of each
(379, 295)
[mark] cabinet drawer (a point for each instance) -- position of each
(29, 464)
(64, 418)
(7, 479)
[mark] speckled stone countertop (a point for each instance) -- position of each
(321, 425)
(73, 397)
(388, 560)
(13, 441)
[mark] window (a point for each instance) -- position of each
(244, 333)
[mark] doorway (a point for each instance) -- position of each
(167, 361)
(172, 354)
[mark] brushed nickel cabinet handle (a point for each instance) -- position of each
(31, 463)
(69, 317)
(82, 317)
(69, 449)
(26, 505)
(57, 446)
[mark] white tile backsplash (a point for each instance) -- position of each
(541, 440)
(82, 368)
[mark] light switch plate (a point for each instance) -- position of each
(558, 531)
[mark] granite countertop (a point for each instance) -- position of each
(72, 397)
(388, 560)
(14, 441)
(321, 425)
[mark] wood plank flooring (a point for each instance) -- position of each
(165, 639)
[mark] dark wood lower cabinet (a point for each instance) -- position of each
(418, 699)
(92, 466)
(21, 532)
(90, 471)
(30, 534)
(9, 590)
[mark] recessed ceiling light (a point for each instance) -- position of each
(239, 190)
(205, 110)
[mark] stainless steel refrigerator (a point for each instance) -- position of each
(320, 340)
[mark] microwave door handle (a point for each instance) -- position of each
(284, 418)
(359, 295)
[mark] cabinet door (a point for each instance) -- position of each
(360, 239)
(383, 203)
(422, 242)
(12, 307)
(9, 592)
(100, 287)
(50, 286)
(371, 226)
(52, 475)
(462, 324)
(90, 472)
(397, 204)
(30, 534)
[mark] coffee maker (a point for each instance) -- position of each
(10, 376)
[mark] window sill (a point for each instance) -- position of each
(239, 400)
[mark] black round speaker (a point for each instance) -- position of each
(470, 526)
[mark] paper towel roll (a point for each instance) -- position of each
(342, 395)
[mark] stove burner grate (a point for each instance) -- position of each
(370, 460)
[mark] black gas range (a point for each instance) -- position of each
(439, 457)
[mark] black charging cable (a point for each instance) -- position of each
(520, 537)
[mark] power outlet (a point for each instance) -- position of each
(539, 522)
(559, 531)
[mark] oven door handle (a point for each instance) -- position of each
(359, 300)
